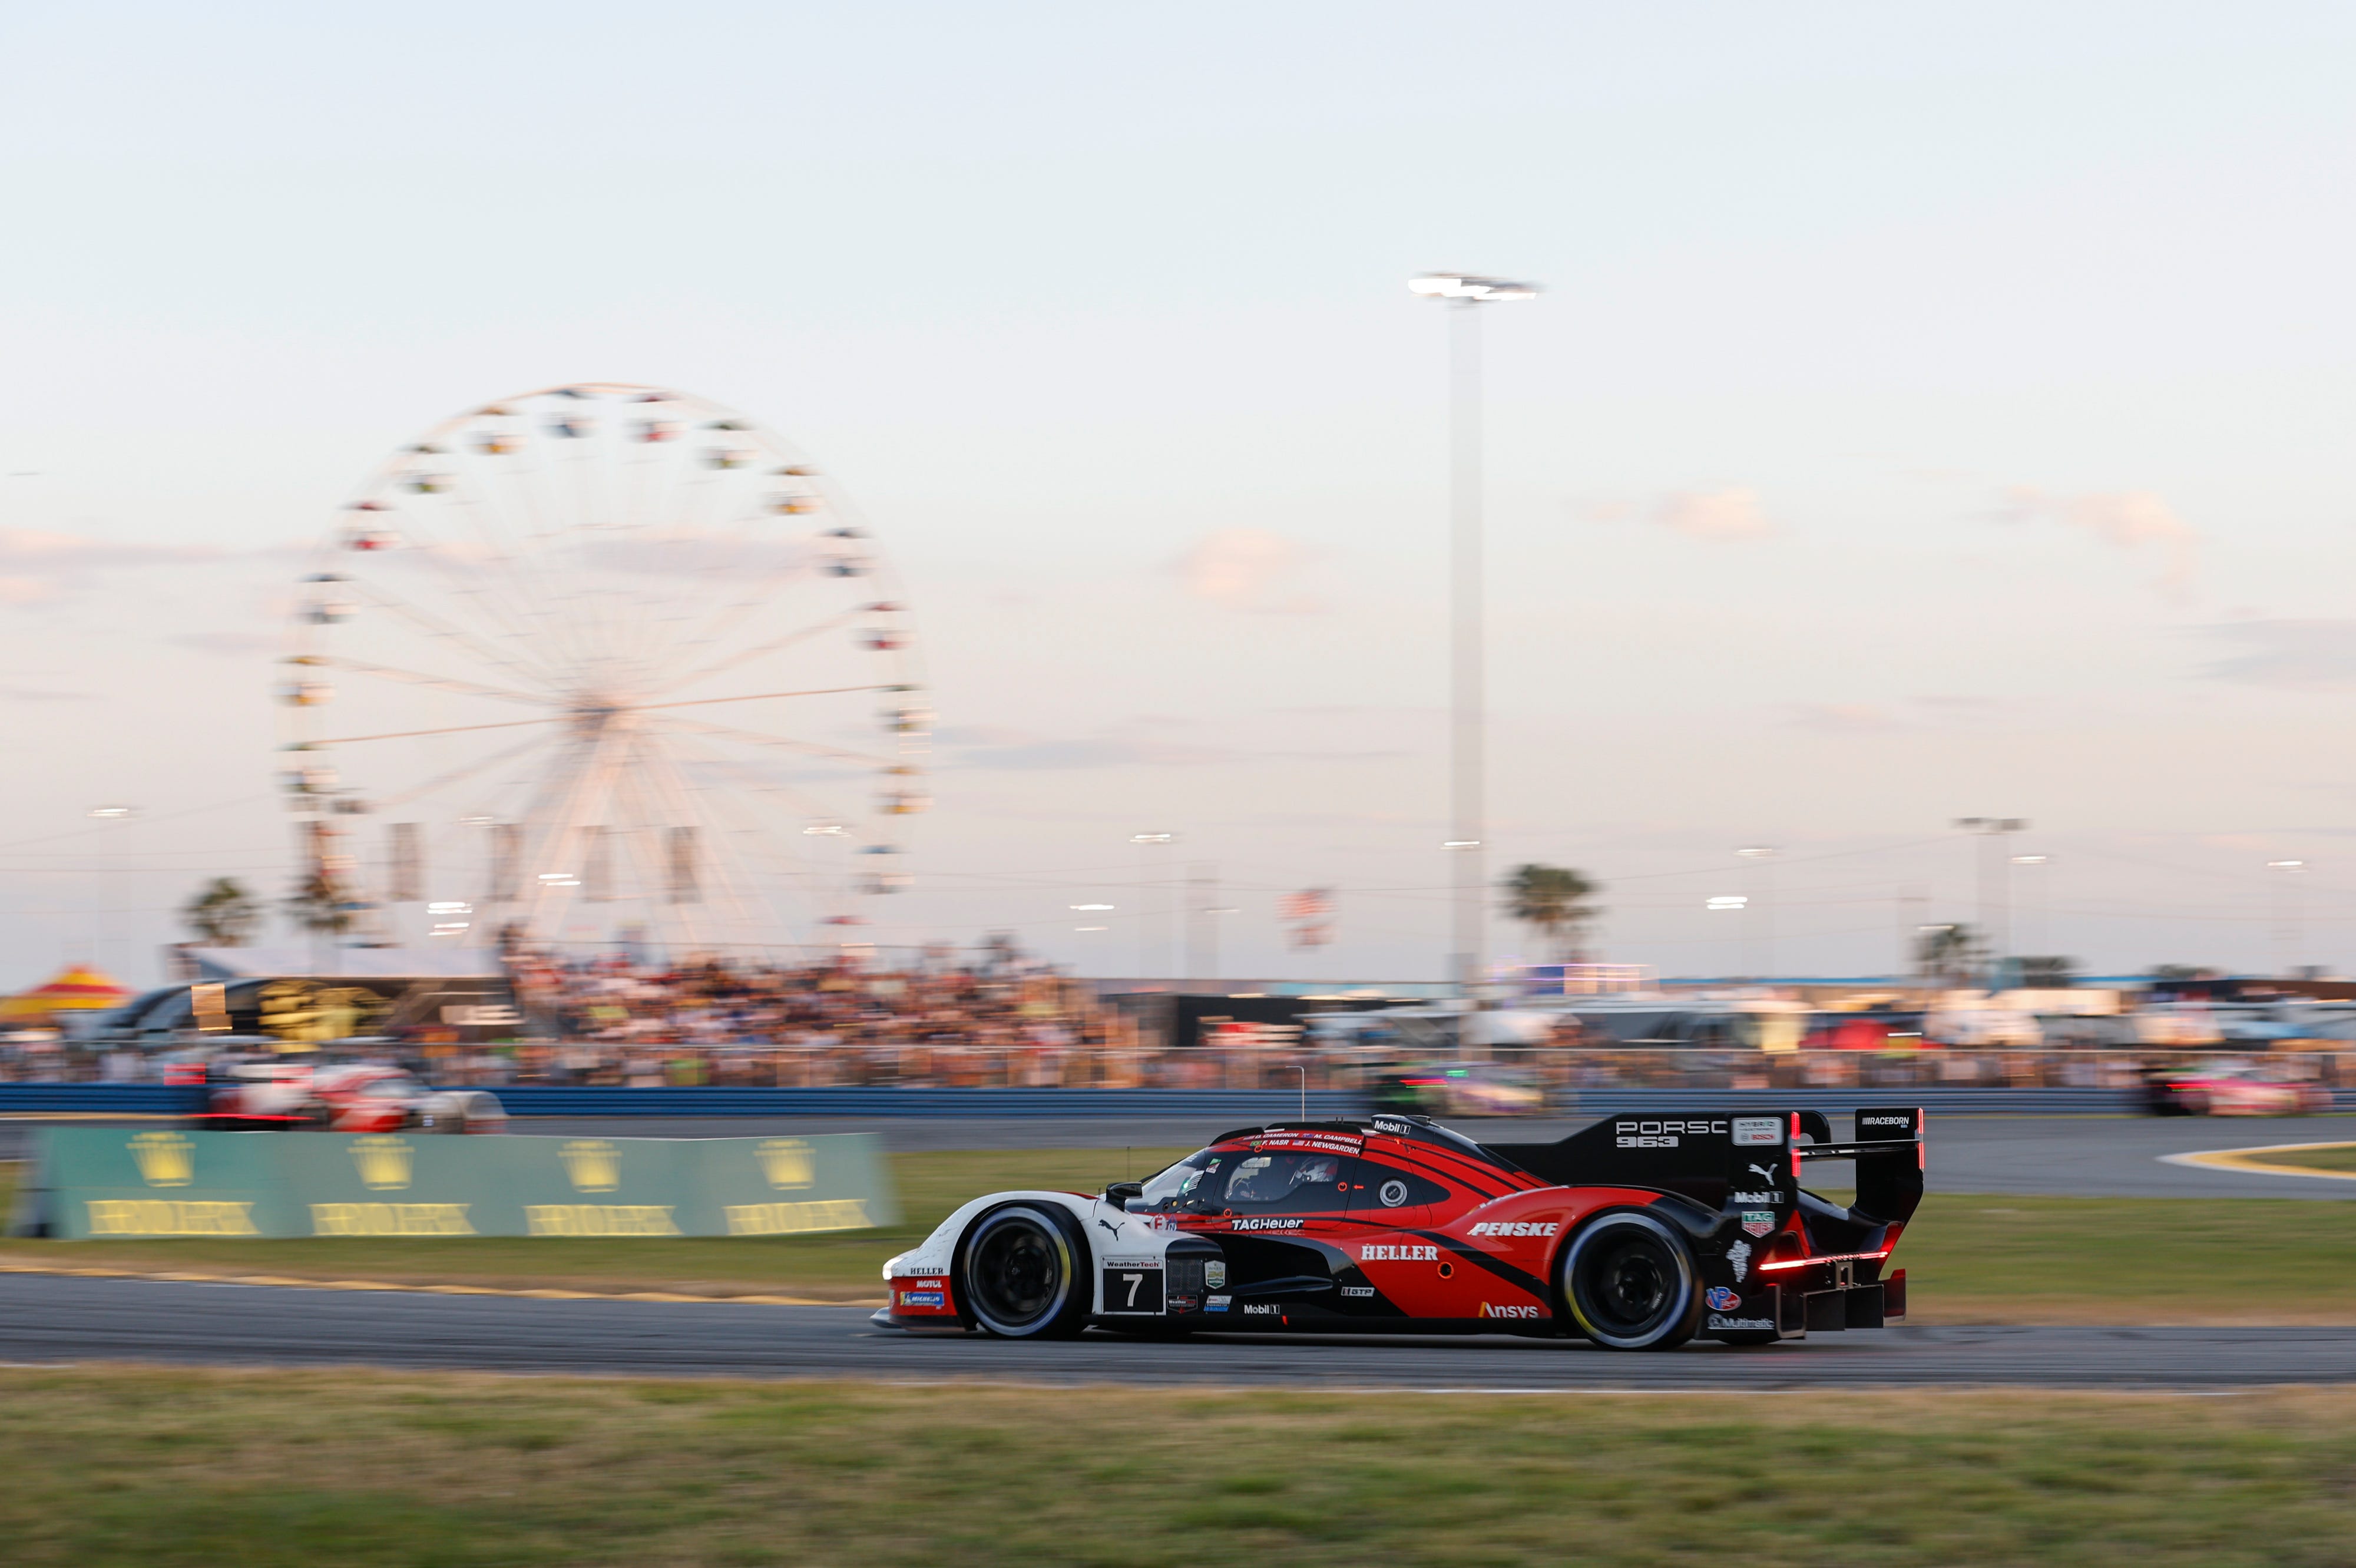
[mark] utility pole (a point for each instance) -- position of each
(1996, 885)
(1758, 911)
(1463, 295)
(2289, 921)
(1152, 939)
(1202, 923)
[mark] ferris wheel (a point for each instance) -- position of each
(602, 662)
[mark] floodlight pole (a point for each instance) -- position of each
(1467, 736)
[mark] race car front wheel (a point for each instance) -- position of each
(1025, 1276)
(1629, 1280)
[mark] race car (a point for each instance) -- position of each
(1638, 1233)
(2232, 1088)
(357, 1097)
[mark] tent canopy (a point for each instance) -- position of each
(77, 989)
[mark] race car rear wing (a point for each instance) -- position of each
(1715, 1157)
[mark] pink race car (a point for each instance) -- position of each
(2233, 1089)
(361, 1097)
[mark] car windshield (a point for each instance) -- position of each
(1190, 1183)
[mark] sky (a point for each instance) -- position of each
(1927, 415)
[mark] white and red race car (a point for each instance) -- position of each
(1638, 1233)
(354, 1097)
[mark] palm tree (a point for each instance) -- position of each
(317, 906)
(1552, 900)
(222, 913)
(1949, 953)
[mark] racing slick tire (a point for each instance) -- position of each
(1629, 1280)
(1023, 1274)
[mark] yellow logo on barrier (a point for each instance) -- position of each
(795, 1219)
(384, 1163)
(167, 1217)
(600, 1218)
(390, 1219)
(595, 1165)
(166, 1159)
(787, 1161)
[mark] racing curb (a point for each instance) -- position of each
(2242, 1160)
(550, 1294)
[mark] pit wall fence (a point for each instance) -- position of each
(1261, 1083)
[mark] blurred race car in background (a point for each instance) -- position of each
(1639, 1233)
(1458, 1089)
(2232, 1088)
(358, 1097)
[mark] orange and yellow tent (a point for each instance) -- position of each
(76, 990)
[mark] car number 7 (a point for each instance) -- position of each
(1134, 1281)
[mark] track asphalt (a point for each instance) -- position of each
(46, 1319)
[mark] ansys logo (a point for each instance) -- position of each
(787, 1161)
(166, 1159)
(595, 1165)
(384, 1163)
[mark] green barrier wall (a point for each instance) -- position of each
(110, 1182)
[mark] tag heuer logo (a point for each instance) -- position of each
(1758, 1221)
(166, 1159)
(384, 1163)
(595, 1165)
(787, 1161)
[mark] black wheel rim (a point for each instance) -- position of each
(1629, 1284)
(1017, 1274)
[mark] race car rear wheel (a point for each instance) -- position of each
(1629, 1280)
(1025, 1275)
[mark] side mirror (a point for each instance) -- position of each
(1118, 1193)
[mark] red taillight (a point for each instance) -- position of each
(1827, 1258)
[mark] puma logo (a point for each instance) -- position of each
(1767, 1172)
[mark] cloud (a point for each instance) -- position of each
(2293, 655)
(36, 695)
(229, 642)
(1843, 718)
(1248, 569)
(2125, 520)
(981, 747)
(37, 567)
(1723, 516)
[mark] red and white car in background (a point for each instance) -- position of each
(352, 1097)
(2234, 1088)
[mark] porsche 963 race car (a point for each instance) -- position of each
(1639, 1233)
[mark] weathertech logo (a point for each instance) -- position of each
(1385, 1253)
(1516, 1227)
(1488, 1311)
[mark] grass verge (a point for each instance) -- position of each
(2337, 1157)
(110, 1465)
(1968, 1259)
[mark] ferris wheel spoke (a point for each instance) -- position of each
(435, 627)
(428, 734)
(808, 747)
(459, 775)
(421, 678)
(737, 887)
(765, 697)
(774, 645)
(443, 556)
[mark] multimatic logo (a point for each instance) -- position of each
(1516, 1227)
(1719, 1321)
(1663, 1135)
